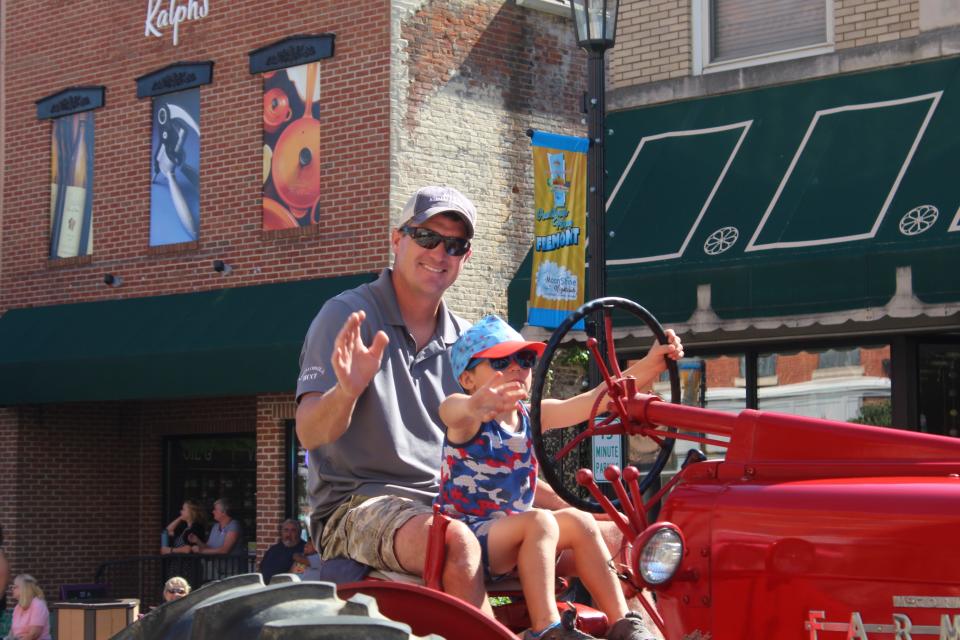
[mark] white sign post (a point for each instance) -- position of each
(606, 451)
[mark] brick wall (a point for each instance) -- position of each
(82, 483)
(461, 107)
(273, 412)
(77, 44)
(9, 480)
(77, 503)
(654, 37)
(861, 22)
(653, 42)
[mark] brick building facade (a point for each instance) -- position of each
(415, 92)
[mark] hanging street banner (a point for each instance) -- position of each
(559, 249)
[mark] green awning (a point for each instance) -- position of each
(237, 341)
(821, 202)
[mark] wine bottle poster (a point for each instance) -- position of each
(291, 147)
(71, 186)
(175, 168)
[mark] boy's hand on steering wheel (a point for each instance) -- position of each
(673, 349)
(354, 363)
(496, 397)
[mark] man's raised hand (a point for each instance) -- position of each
(354, 363)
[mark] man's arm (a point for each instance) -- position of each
(323, 417)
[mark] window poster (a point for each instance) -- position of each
(291, 147)
(175, 168)
(71, 186)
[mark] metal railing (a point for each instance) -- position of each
(143, 577)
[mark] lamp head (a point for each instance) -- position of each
(595, 22)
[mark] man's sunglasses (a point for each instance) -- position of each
(178, 592)
(525, 359)
(430, 239)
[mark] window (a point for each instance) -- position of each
(175, 168)
(297, 499)
(737, 33)
(71, 186)
(291, 147)
(833, 358)
(847, 383)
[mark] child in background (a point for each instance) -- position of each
(175, 588)
(488, 476)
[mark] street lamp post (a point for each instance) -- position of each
(595, 22)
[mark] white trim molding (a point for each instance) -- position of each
(556, 7)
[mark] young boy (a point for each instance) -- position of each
(488, 476)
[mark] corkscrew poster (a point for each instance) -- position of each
(71, 186)
(291, 147)
(559, 250)
(175, 168)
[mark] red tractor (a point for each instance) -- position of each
(806, 529)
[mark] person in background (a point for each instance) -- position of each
(279, 557)
(4, 583)
(175, 588)
(307, 564)
(193, 523)
(226, 535)
(31, 618)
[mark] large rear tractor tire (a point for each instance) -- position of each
(243, 608)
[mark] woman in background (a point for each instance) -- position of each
(225, 535)
(4, 583)
(31, 619)
(194, 523)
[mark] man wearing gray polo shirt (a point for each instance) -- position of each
(373, 371)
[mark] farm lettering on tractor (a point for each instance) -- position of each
(901, 629)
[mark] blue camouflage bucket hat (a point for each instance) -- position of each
(490, 337)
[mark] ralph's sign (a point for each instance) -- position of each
(168, 14)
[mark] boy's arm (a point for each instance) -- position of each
(555, 414)
(463, 414)
(647, 369)
(457, 415)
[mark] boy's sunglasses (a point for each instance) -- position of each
(430, 239)
(525, 359)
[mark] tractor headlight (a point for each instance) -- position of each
(661, 555)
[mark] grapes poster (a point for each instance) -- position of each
(71, 186)
(291, 147)
(175, 168)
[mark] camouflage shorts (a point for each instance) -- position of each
(363, 529)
